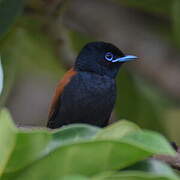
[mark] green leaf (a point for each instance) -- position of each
(91, 156)
(74, 133)
(144, 170)
(151, 141)
(73, 150)
(117, 130)
(85, 158)
(9, 11)
(153, 166)
(29, 147)
(75, 177)
(33, 145)
(7, 138)
(137, 176)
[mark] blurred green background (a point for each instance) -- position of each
(39, 40)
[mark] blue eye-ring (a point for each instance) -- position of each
(109, 56)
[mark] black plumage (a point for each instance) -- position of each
(89, 94)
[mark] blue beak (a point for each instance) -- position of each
(125, 58)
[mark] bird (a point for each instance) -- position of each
(87, 92)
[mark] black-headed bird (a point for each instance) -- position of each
(87, 92)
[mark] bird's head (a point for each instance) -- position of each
(101, 58)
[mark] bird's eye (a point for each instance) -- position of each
(109, 56)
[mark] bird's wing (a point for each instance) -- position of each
(58, 91)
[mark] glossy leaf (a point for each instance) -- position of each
(144, 170)
(75, 177)
(138, 176)
(29, 147)
(7, 139)
(89, 157)
(74, 133)
(117, 130)
(32, 145)
(86, 158)
(73, 150)
(153, 166)
(151, 141)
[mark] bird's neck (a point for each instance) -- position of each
(111, 73)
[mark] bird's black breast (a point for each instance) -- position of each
(88, 98)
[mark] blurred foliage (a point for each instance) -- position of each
(39, 154)
(169, 9)
(9, 11)
(176, 20)
(27, 48)
(78, 40)
(139, 102)
(30, 47)
(152, 6)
